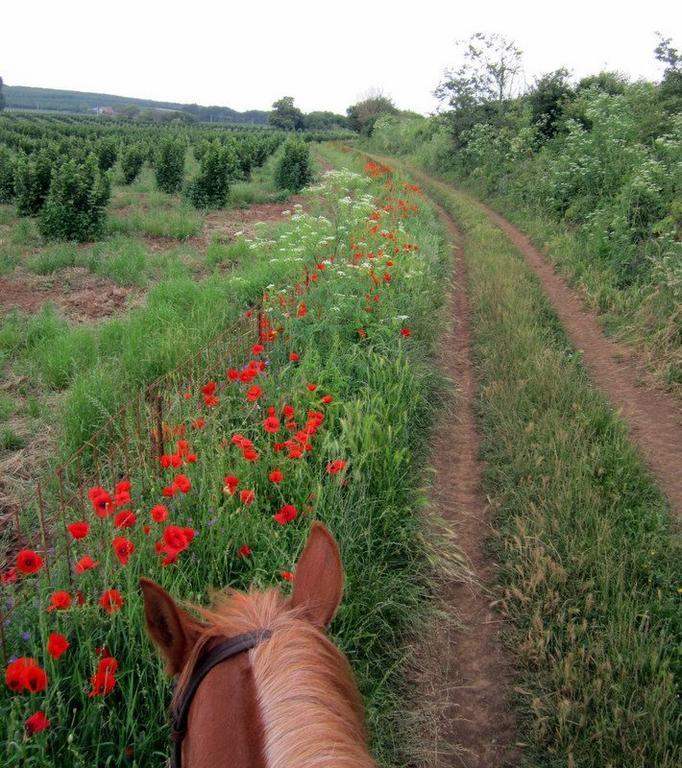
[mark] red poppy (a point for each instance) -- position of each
(199, 423)
(123, 548)
(59, 601)
(294, 357)
(334, 467)
(24, 674)
(271, 425)
(253, 393)
(405, 332)
(125, 519)
(231, 483)
(79, 530)
(29, 561)
(232, 374)
(9, 576)
(57, 645)
(168, 491)
(287, 575)
(36, 723)
(182, 483)
(250, 454)
(256, 349)
(276, 476)
(111, 600)
(286, 514)
(245, 550)
(122, 493)
(362, 333)
(288, 412)
(312, 387)
(101, 501)
(326, 399)
(86, 563)
(177, 538)
(159, 513)
(302, 309)
(247, 497)
(103, 683)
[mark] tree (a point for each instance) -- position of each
(169, 165)
(490, 73)
(671, 85)
(547, 100)
(286, 116)
(2, 96)
(363, 115)
(294, 169)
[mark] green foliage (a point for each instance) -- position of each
(6, 175)
(294, 169)
(132, 159)
(2, 96)
(169, 164)
(75, 205)
(363, 115)
(32, 177)
(546, 101)
(107, 152)
(212, 185)
(286, 116)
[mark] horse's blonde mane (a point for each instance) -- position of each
(309, 704)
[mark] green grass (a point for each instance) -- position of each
(589, 565)
(178, 223)
(10, 440)
(384, 391)
(6, 407)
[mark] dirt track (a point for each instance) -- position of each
(653, 416)
(473, 660)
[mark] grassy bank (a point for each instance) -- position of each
(375, 393)
(589, 566)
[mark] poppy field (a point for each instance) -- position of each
(317, 411)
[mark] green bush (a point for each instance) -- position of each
(75, 205)
(6, 176)
(294, 169)
(132, 160)
(106, 153)
(32, 177)
(170, 165)
(212, 185)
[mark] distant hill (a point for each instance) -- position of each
(25, 97)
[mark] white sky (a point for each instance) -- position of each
(245, 54)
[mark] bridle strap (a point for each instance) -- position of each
(233, 646)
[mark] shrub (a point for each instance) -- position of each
(170, 165)
(106, 153)
(294, 169)
(75, 206)
(212, 186)
(6, 176)
(132, 160)
(32, 178)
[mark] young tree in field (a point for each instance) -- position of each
(170, 165)
(132, 159)
(294, 169)
(363, 115)
(212, 185)
(286, 116)
(75, 205)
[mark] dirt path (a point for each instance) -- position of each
(653, 417)
(477, 671)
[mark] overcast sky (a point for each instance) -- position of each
(247, 54)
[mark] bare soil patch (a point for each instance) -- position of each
(227, 224)
(81, 296)
(471, 662)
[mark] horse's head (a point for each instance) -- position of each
(259, 683)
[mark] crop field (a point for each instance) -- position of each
(452, 340)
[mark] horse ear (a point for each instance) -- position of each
(172, 629)
(318, 582)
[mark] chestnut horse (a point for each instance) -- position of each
(259, 682)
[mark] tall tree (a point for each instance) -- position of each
(490, 73)
(286, 116)
(363, 115)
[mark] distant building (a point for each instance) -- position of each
(103, 111)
